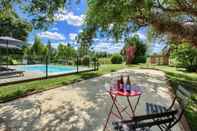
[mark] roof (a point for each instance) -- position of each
(166, 50)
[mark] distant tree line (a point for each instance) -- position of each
(38, 50)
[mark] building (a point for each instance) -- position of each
(161, 59)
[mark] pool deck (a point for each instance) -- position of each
(81, 106)
(33, 75)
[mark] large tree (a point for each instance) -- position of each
(12, 25)
(85, 40)
(39, 12)
(66, 52)
(174, 18)
(134, 50)
(38, 48)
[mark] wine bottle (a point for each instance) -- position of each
(118, 85)
(121, 83)
(128, 85)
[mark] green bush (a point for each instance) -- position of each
(139, 59)
(116, 59)
(12, 61)
(94, 59)
(186, 56)
(140, 52)
(86, 60)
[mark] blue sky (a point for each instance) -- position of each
(68, 23)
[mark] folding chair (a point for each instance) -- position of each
(157, 115)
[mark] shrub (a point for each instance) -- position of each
(116, 59)
(12, 61)
(94, 59)
(139, 59)
(86, 60)
(186, 56)
(137, 50)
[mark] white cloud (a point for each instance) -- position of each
(52, 35)
(109, 46)
(54, 29)
(72, 36)
(80, 30)
(69, 17)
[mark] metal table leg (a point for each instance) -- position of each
(111, 111)
(135, 106)
(119, 112)
(109, 114)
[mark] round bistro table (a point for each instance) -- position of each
(135, 92)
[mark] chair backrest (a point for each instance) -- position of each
(143, 121)
(183, 96)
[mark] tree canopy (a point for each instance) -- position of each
(185, 56)
(66, 52)
(38, 48)
(12, 25)
(174, 18)
(40, 12)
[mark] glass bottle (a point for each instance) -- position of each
(128, 85)
(121, 83)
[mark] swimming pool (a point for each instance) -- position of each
(51, 68)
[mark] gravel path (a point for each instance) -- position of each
(82, 106)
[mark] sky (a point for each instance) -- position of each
(68, 24)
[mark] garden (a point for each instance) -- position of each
(64, 70)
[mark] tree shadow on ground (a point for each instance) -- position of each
(34, 114)
(23, 115)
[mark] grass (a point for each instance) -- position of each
(14, 91)
(178, 76)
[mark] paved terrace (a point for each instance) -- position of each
(82, 106)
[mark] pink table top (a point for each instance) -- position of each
(121, 93)
(133, 92)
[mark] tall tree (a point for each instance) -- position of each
(38, 47)
(85, 40)
(12, 25)
(66, 52)
(41, 12)
(174, 18)
(134, 50)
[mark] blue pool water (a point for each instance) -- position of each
(51, 68)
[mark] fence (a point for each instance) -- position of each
(17, 68)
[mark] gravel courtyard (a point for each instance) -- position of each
(82, 106)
